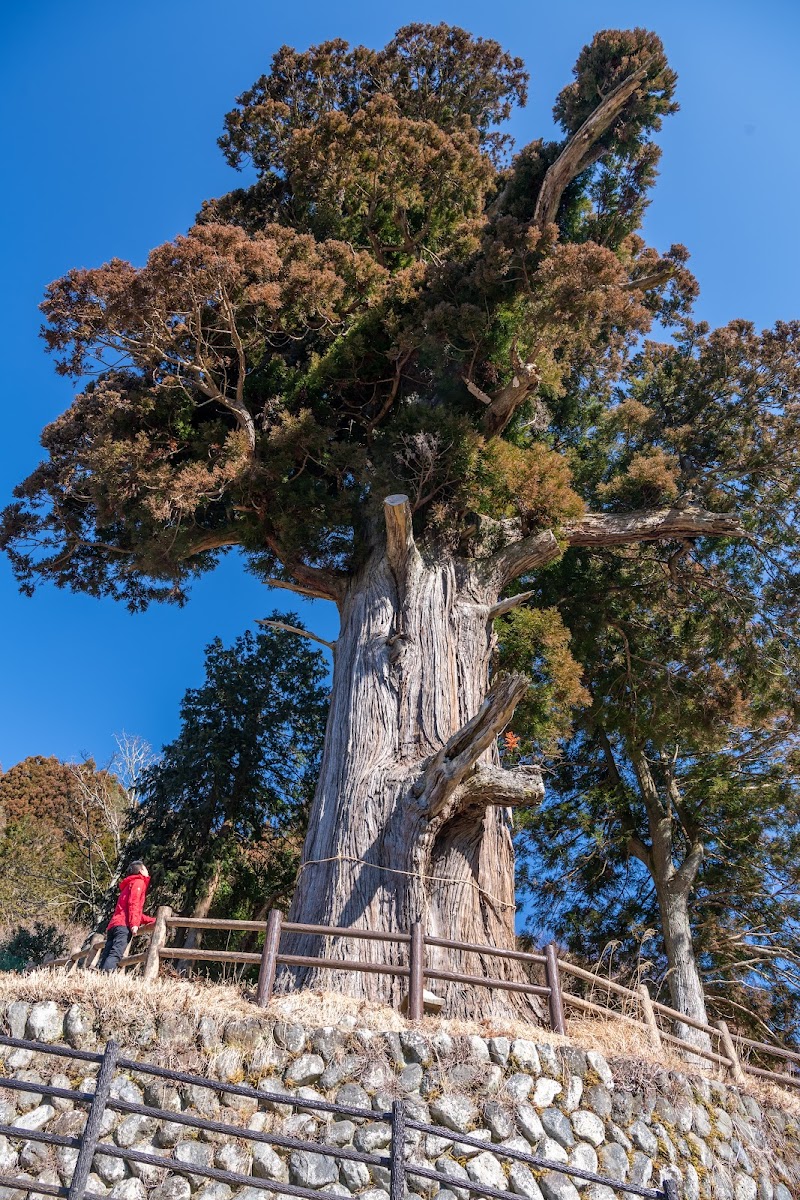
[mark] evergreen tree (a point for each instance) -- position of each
(690, 653)
(224, 810)
(388, 372)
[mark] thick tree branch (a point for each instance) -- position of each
(317, 582)
(296, 629)
(525, 380)
(511, 602)
(447, 769)
(298, 588)
(212, 541)
(639, 850)
(501, 407)
(520, 555)
(650, 525)
(527, 554)
(687, 872)
(520, 787)
(577, 154)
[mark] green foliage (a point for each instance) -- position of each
(535, 642)
(32, 944)
(224, 810)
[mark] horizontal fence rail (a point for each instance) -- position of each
(89, 1143)
(663, 1025)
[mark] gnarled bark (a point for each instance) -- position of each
(411, 818)
(408, 822)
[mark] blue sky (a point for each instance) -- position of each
(110, 115)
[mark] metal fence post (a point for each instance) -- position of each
(397, 1164)
(94, 1117)
(416, 978)
(158, 938)
(269, 958)
(554, 1000)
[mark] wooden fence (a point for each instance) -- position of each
(559, 979)
(89, 1143)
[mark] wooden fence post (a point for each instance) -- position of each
(95, 951)
(653, 1032)
(158, 938)
(730, 1051)
(94, 1118)
(416, 978)
(554, 1000)
(269, 957)
(397, 1162)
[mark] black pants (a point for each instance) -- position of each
(117, 939)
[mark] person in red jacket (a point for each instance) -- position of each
(127, 917)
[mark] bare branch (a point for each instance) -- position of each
(520, 787)
(296, 629)
(577, 154)
(212, 541)
(639, 850)
(477, 392)
(511, 602)
(645, 282)
(650, 525)
(447, 769)
(313, 593)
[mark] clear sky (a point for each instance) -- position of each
(110, 117)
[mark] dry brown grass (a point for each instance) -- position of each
(122, 1002)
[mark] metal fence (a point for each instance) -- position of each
(559, 984)
(399, 1120)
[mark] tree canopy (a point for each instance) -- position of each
(393, 305)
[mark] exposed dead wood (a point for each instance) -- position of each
(579, 151)
(525, 555)
(446, 771)
(649, 525)
(507, 605)
(296, 629)
(645, 282)
(518, 787)
(401, 548)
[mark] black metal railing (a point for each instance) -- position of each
(400, 1121)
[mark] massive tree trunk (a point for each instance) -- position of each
(411, 819)
(412, 814)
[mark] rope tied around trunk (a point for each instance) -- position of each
(313, 862)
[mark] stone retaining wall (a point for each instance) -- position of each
(630, 1120)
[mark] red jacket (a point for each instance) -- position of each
(132, 891)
